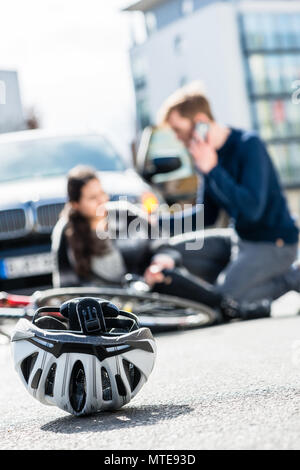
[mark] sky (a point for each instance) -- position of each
(72, 58)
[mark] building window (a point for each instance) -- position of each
(178, 44)
(143, 114)
(139, 72)
(272, 58)
(271, 31)
(252, 31)
(2, 92)
(274, 74)
(284, 31)
(183, 81)
(258, 74)
(187, 6)
(151, 22)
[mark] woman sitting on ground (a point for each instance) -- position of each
(84, 257)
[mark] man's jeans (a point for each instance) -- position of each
(243, 270)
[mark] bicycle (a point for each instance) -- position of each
(156, 311)
(159, 312)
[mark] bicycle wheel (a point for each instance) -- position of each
(155, 311)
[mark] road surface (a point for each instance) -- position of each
(234, 386)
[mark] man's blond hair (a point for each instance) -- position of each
(187, 101)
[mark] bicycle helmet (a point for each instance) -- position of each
(83, 357)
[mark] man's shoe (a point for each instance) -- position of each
(292, 277)
(232, 310)
(255, 310)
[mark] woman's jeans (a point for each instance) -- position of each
(235, 268)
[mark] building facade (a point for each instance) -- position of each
(11, 109)
(246, 53)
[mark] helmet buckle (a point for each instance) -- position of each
(91, 316)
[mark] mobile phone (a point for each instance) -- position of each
(202, 129)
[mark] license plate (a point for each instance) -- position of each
(26, 266)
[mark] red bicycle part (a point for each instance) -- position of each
(14, 300)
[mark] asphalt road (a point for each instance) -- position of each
(234, 386)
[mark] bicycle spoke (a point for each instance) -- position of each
(153, 309)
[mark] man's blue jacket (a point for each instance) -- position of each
(245, 184)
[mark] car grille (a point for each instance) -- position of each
(12, 223)
(47, 216)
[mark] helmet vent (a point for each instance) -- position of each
(36, 379)
(106, 385)
(27, 365)
(49, 384)
(133, 374)
(77, 389)
(120, 385)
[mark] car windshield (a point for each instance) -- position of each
(56, 156)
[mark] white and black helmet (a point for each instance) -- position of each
(83, 357)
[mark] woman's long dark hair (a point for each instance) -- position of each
(81, 238)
